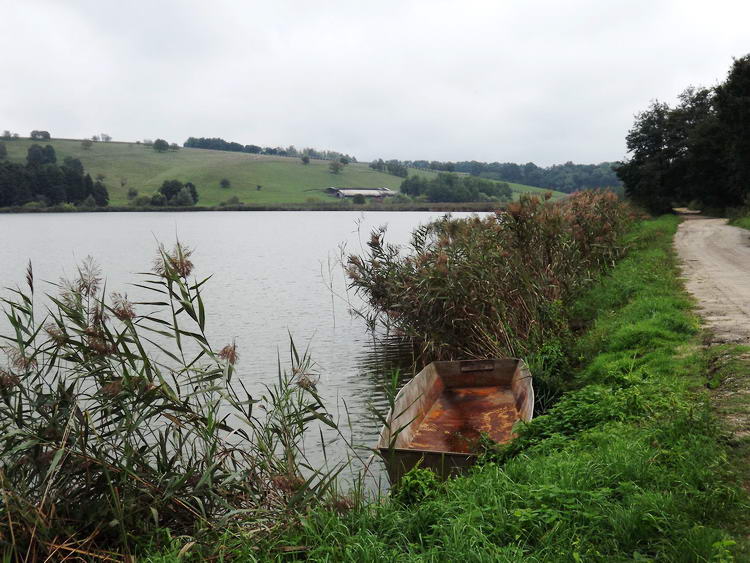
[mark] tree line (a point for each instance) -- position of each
(219, 144)
(446, 187)
(697, 151)
(42, 180)
(568, 177)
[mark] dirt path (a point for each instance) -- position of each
(716, 265)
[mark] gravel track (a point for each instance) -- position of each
(716, 265)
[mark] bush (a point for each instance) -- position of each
(359, 199)
(234, 200)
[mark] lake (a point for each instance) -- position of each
(274, 274)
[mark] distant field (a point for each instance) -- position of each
(283, 179)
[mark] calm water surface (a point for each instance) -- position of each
(274, 273)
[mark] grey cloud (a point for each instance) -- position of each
(510, 81)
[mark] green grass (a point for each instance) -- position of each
(628, 465)
(743, 222)
(284, 179)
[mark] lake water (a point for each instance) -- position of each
(274, 273)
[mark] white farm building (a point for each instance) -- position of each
(365, 192)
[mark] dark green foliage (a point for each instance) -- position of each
(396, 168)
(225, 183)
(695, 152)
(568, 177)
(3, 151)
(100, 194)
(42, 180)
(132, 193)
(183, 198)
(359, 199)
(220, 144)
(160, 145)
(305, 159)
(335, 166)
(38, 155)
(40, 135)
(174, 192)
(454, 188)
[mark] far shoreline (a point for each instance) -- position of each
(434, 207)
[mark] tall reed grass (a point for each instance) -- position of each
(492, 286)
(118, 419)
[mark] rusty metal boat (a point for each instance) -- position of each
(438, 417)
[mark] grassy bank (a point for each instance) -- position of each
(284, 180)
(743, 222)
(626, 466)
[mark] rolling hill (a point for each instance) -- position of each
(283, 179)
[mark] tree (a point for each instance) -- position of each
(89, 202)
(40, 135)
(7, 136)
(160, 145)
(87, 144)
(95, 138)
(132, 193)
(344, 160)
(192, 190)
(396, 168)
(335, 166)
(225, 183)
(733, 114)
(104, 137)
(74, 165)
(37, 155)
(3, 151)
(305, 159)
(158, 200)
(100, 177)
(174, 147)
(100, 194)
(170, 188)
(359, 199)
(183, 198)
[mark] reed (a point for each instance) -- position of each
(118, 419)
(491, 286)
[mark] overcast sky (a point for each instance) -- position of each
(511, 81)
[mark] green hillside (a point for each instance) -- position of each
(283, 179)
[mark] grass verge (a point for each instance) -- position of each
(743, 222)
(629, 465)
